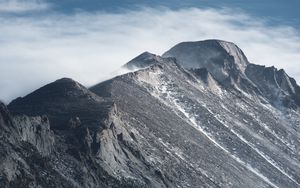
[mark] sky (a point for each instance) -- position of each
(88, 40)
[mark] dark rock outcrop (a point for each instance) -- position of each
(62, 101)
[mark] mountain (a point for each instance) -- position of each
(63, 100)
(227, 63)
(222, 59)
(200, 115)
(144, 60)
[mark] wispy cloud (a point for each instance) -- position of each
(87, 47)
(22, 6)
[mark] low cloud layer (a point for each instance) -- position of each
(88, 47)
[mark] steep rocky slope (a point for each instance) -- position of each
(201, 115)
(236, 138)
(93, 147)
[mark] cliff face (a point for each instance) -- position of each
(199, 116)
(24, 141)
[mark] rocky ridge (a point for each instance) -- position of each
(201, 115)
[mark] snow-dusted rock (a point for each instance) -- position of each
(200, 115)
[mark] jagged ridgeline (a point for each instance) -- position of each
(200, 115)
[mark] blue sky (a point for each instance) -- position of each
(275, 11)
(282, 10)
(89, 40)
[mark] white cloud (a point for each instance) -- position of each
(22, 6)
(87, 47)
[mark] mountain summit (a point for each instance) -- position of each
(200, 115)
(62, 101)
(220, 58)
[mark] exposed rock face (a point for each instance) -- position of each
(222, 59)
(200, 116)
(36, 131)
(23, 142)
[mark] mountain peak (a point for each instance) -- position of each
(62, 100)
(60, 89)
(69, 83)
(143, 60)
(219, 57)
(65, 80)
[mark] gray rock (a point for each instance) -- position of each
(200, 116)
